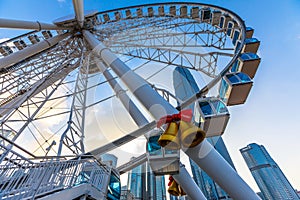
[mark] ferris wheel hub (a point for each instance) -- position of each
(70, 20)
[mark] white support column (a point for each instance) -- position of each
(20, 24)
(158, 107)
(129, 105)
(79, 13)
(220, 171)
(183, 178)
(18, 56)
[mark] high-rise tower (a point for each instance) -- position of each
(156, 187)
(136, 182)
(185, 87)
(144, 185)
(267, 174)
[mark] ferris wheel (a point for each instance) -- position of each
(51, 76)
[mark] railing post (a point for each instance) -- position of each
(39, 181)
(78, 163)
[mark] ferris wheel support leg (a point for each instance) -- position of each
(16, 57)
(159, 107)
(20, 24)
(220, 171)
(78, 8)
(129, 105)
(183, 178)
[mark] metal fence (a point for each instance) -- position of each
(33, 180)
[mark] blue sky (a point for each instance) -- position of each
(271, 114)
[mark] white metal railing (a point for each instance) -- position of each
(9, 157)
(33, 180)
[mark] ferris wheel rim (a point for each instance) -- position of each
(227, 67)
(203, 91)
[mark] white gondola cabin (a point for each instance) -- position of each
(18, 45)
(47, 34)
(106, 17)
(235, 36)
(150, 12)
(173, 10)
(33, 39)
(205, 15)
(23, 43)
(237, 46)
(215, 18)
(183, 11)
(195, 12)
(234, 88)
(161, 11)
(224, 21)
(211, 115)
(247, 63)
(251, 45)
(5, 50)
(249, 32)
(139, 12)
(231, 28)
(162, 161)
(117, 16)
(128, 14)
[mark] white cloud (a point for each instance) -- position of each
(61, 1)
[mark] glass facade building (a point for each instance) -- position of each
(270, 179)
(126, 194)
(144, 185)
(156, 187)
(179, 198)
(185, 87)
(137, 181)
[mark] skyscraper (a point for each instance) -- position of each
(267, 174)
(156, 187)
(126, 194)
(185, 87)
(144, 185)
(179, 198)
(136, 182)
